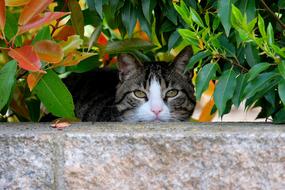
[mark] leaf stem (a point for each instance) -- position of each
(273, 14)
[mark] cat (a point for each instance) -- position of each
(136, 92)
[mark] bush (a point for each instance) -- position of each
(238, 47)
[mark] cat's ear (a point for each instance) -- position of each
(181, 60)
(127, 65)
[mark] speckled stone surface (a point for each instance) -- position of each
(143, 156)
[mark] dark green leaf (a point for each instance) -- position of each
(251, 55)
(129, 17)
(197, 57)
(281, 90)
(91, 17)
(55, 96)
(91, 5)
(259, 83)
(240, 86)
(127, 45)
(224, 12)
(43, 34)
(34, 108)
(77, 18)
(281, 68)
(147, 7)
(224, 90)
(99, 7)
(256, 69)
(11, 28)
(281, 4)
(279, 117)
(173, 40)
(86, 65)
(7, 81)
(207, 73)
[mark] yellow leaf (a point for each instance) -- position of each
(205, 114)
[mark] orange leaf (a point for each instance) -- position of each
(64, 33)
(1, 37)
(2, 15)
(33, 8)
(49, 51)
(73, 58)
(15, 3)
(42, 20)
(27, 58)
(33, 79)
(205, 114)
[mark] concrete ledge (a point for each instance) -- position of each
(143, 156)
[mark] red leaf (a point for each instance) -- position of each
(64, 33)
(33, 8)
(27, 58)
(2, 15)
(45, 19)
(49, 51)
(102, 40)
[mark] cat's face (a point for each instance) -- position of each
(155, 91)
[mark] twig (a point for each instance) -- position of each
(273, 14)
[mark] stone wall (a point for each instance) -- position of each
(143, 156)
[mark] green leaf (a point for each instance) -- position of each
(216, 23)
(261, 27)
(77, 18)
(197, 57)
(281, 90)
(224, 12)
(281, 4)
(86, 65)
(279, 117)
(256, 69)
(173, 40)
(99, 7)
(251, 55)
(147, 7)
(189, 36)
(127, 45)
(224, 90)
(196, 18)
(207, 73)
(129, 17)
(34, 105)
(270, 34)
(11, 28)
(281, 68)
(258, 84)
(55, 96)
(7, 81)
(43, 34)
(91, 5)
(184, 12)
(240, 86)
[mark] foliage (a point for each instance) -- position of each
(240, 46)
(238, 49)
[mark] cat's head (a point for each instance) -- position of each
(155, 91)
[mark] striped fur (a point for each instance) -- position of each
(110, 96)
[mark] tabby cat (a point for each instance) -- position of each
(151, 91)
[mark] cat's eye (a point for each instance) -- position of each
(139, 94)
(172, 93)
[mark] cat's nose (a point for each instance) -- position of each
(156, 110)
